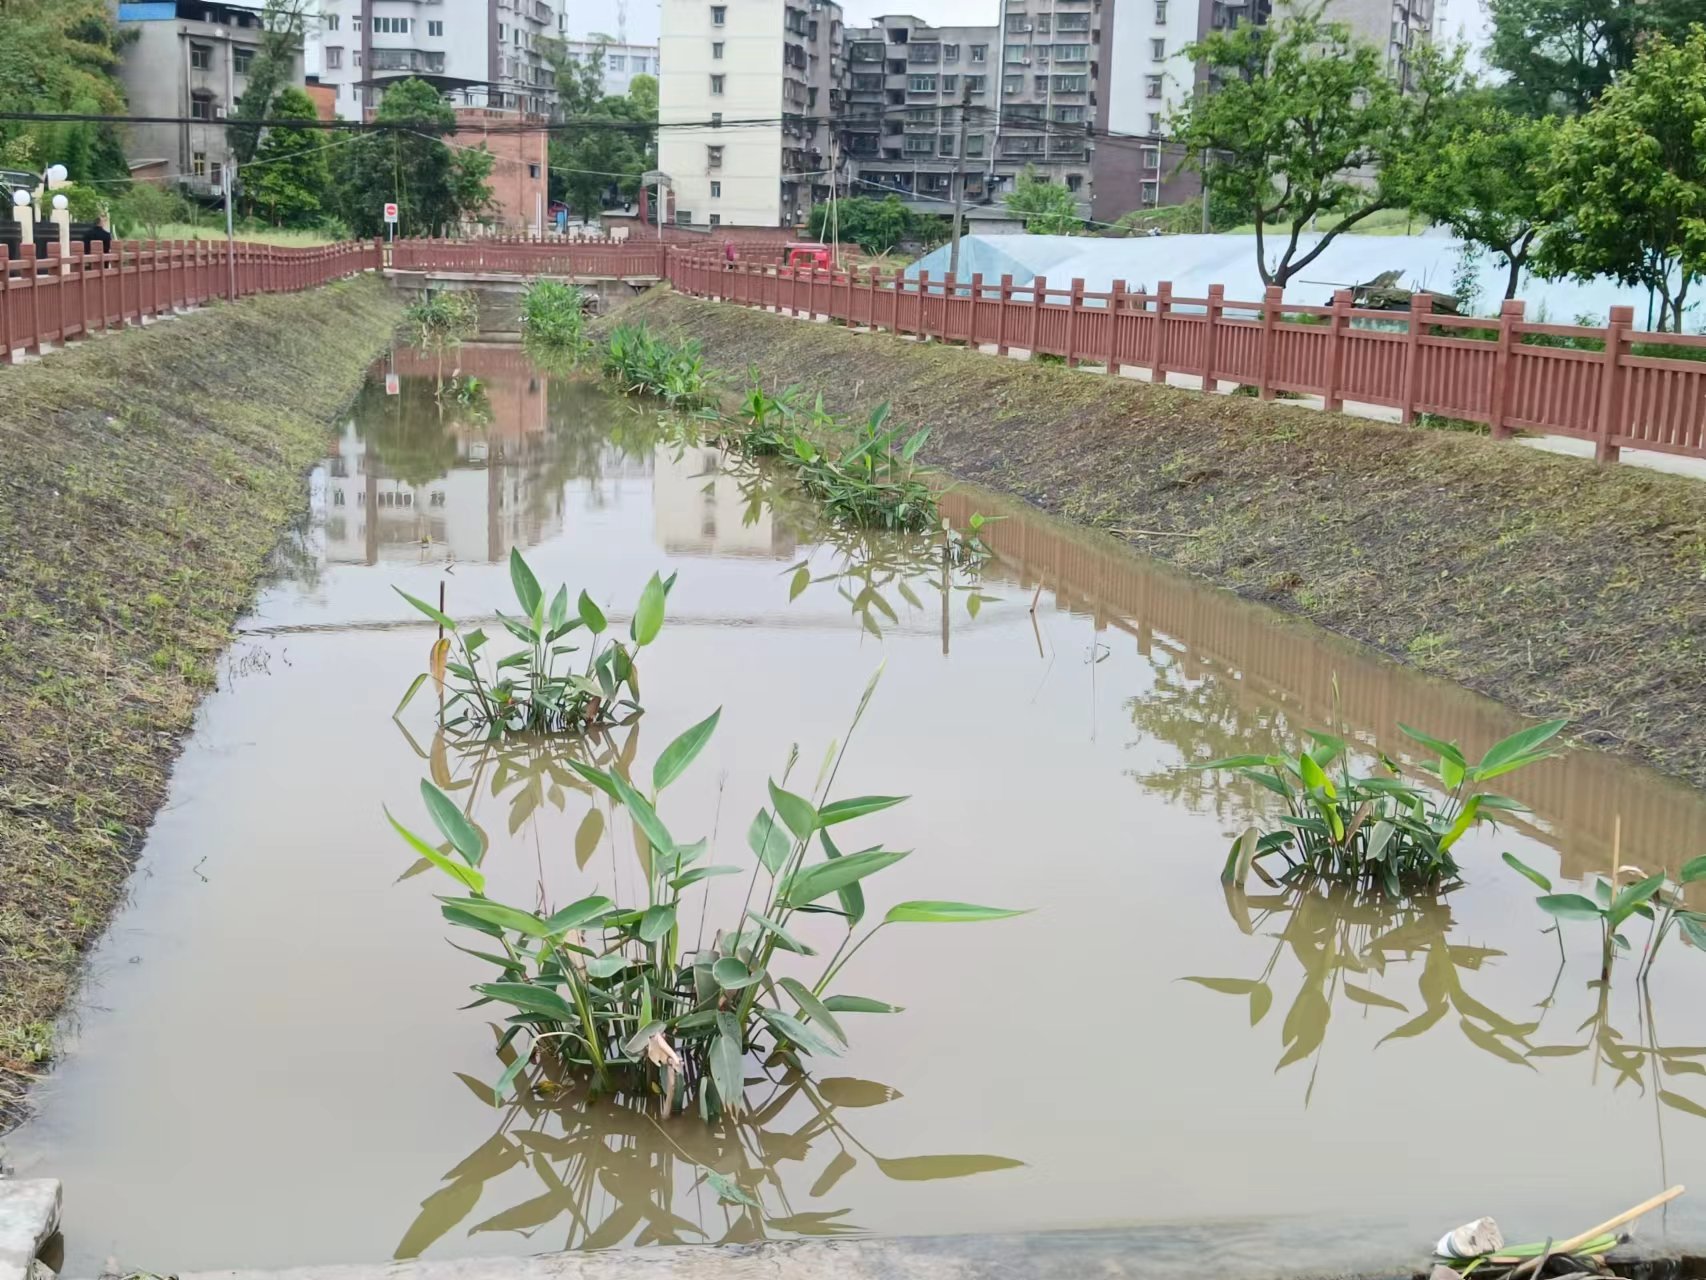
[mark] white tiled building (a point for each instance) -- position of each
(621, 62)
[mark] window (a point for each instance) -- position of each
(355, 57)
(717, 49)
(1071, 84)
(717, 85)
(1152, 193)
(1072, 53)
(950, 84)
(334, 59)
(719, 15)
(1012, 84)
(980, 53)
(716, 219)
(1043, 20)
(1158, 49)
(435, 26)
(201, 57)
(1069, 115)
(974, 145)
(716, 119)
(331, 22)
(1160, 13)
(976, 84)
(533, 171)
(503, 33)
(921, 84)
(920, 144)
(1152, 157)
(217, 176)
(683, 218)
(198, 164)
(1017, 53)
(1016, 24)
(716, 190)
(1152, 86)
(947, 144)
(1041, 84)
(1042, 53)
(201, 107)
(714, 157)
(1155, 122)
(615, 62)
(1065, 22)
(242, 58)
(391, 26)
(950, 53)
(1074, 182)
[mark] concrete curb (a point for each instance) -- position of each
(29, 1215)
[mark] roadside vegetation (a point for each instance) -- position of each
(148, 476)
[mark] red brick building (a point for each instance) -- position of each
(520, 170)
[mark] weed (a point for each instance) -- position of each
(443, 318)
(554, 315)
(643, 362)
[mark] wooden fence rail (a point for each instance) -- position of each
(49, 299)
(637, 262)
(1503, 371)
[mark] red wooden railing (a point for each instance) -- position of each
(1490, 370)
(49, 299)
(524, 257)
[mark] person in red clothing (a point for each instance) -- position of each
(729, 251)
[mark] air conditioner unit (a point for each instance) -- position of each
(219, 113)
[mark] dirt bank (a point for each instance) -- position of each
(146, 477)
(1551, 584)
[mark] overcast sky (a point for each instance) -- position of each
(1456, 19)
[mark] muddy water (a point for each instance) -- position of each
(269, 1065)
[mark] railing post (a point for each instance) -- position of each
(1337, 322)
(1271, 298)
(1611, 385)
(1498, 399)
(1211, 336)
(1039, 294)
(1074, 306)
(27, 251)
(1421, 304)
(1006, 300)
(976, 302)
(79, 265)
(950, 295)
(1116, 304)
(5, 304)
(895, 282)
(1163, 304)
(924, 305)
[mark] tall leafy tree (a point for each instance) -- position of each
(1625, 195)
(603, 143)
(876, 226)
(291, 178)
(1560, 55)
(1483, 179)
(1302, 127)
(433, 185)
(61, 56)
(270, 71)
(1048, 208)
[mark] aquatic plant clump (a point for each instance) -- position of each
(536, 689)
(554, 315)
(642, 362)
(442, 318)
(1655, 898)
(646, 997)
(1374, 831)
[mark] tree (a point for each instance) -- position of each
(406, 161)
(62, 56)
(291, 178)
(1483, 179)
(1299, 116)
(1561, 55)
(1625, 195)
(1048, 208)
(152, 207)
(604, 143)
(876, 226)
(283, 23)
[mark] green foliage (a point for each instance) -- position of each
(534, 689)
(150, 207)
(1048, 208)
(290, 184)
(604, 143)
(283, 23)
(62, 56)
(434, 187)
(1611, 907)
(442, 318)
(1625, 195)
(876, 226)
(1299, 107)
(643, 362)
(1560, 55)
(1482, 178)
(553, 314)
(85, 204)
(622, 995)
(1376, 831)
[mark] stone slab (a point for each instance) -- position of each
(29, 1215)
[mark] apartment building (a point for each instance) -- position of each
(481, 53)
(747, 91)
(1027, 91)
(619, 62)
(189, 59)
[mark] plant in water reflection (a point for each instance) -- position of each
(1655, 898)
(1375, 831)
(553, 315)
(620, 1176)
(535, 689)
(635, 997)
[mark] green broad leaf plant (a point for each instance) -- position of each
(628, 996)
(1374, 831)
(1655, 898)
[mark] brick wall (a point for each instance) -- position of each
(520, 171)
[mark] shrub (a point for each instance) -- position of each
(554, 314)
(443, 318)
(643, 362)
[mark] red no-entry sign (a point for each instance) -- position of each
(391, 213)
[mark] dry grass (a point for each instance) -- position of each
(147, 476)
(1551, 584)
(251, 234)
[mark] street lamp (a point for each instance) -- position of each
(23, 208)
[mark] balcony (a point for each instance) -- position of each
(924, 54)
(406, 60)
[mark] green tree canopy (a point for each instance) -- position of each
(290, 181)
(876, 226)
(1625, 195)
(1300, 118)
(1483, 179)
(61, 56)
(270, 71)
(433, 185)
(1048, 208)
(605, 142)
(1561, 55)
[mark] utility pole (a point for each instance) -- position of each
(228, 176)
(959, 181)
